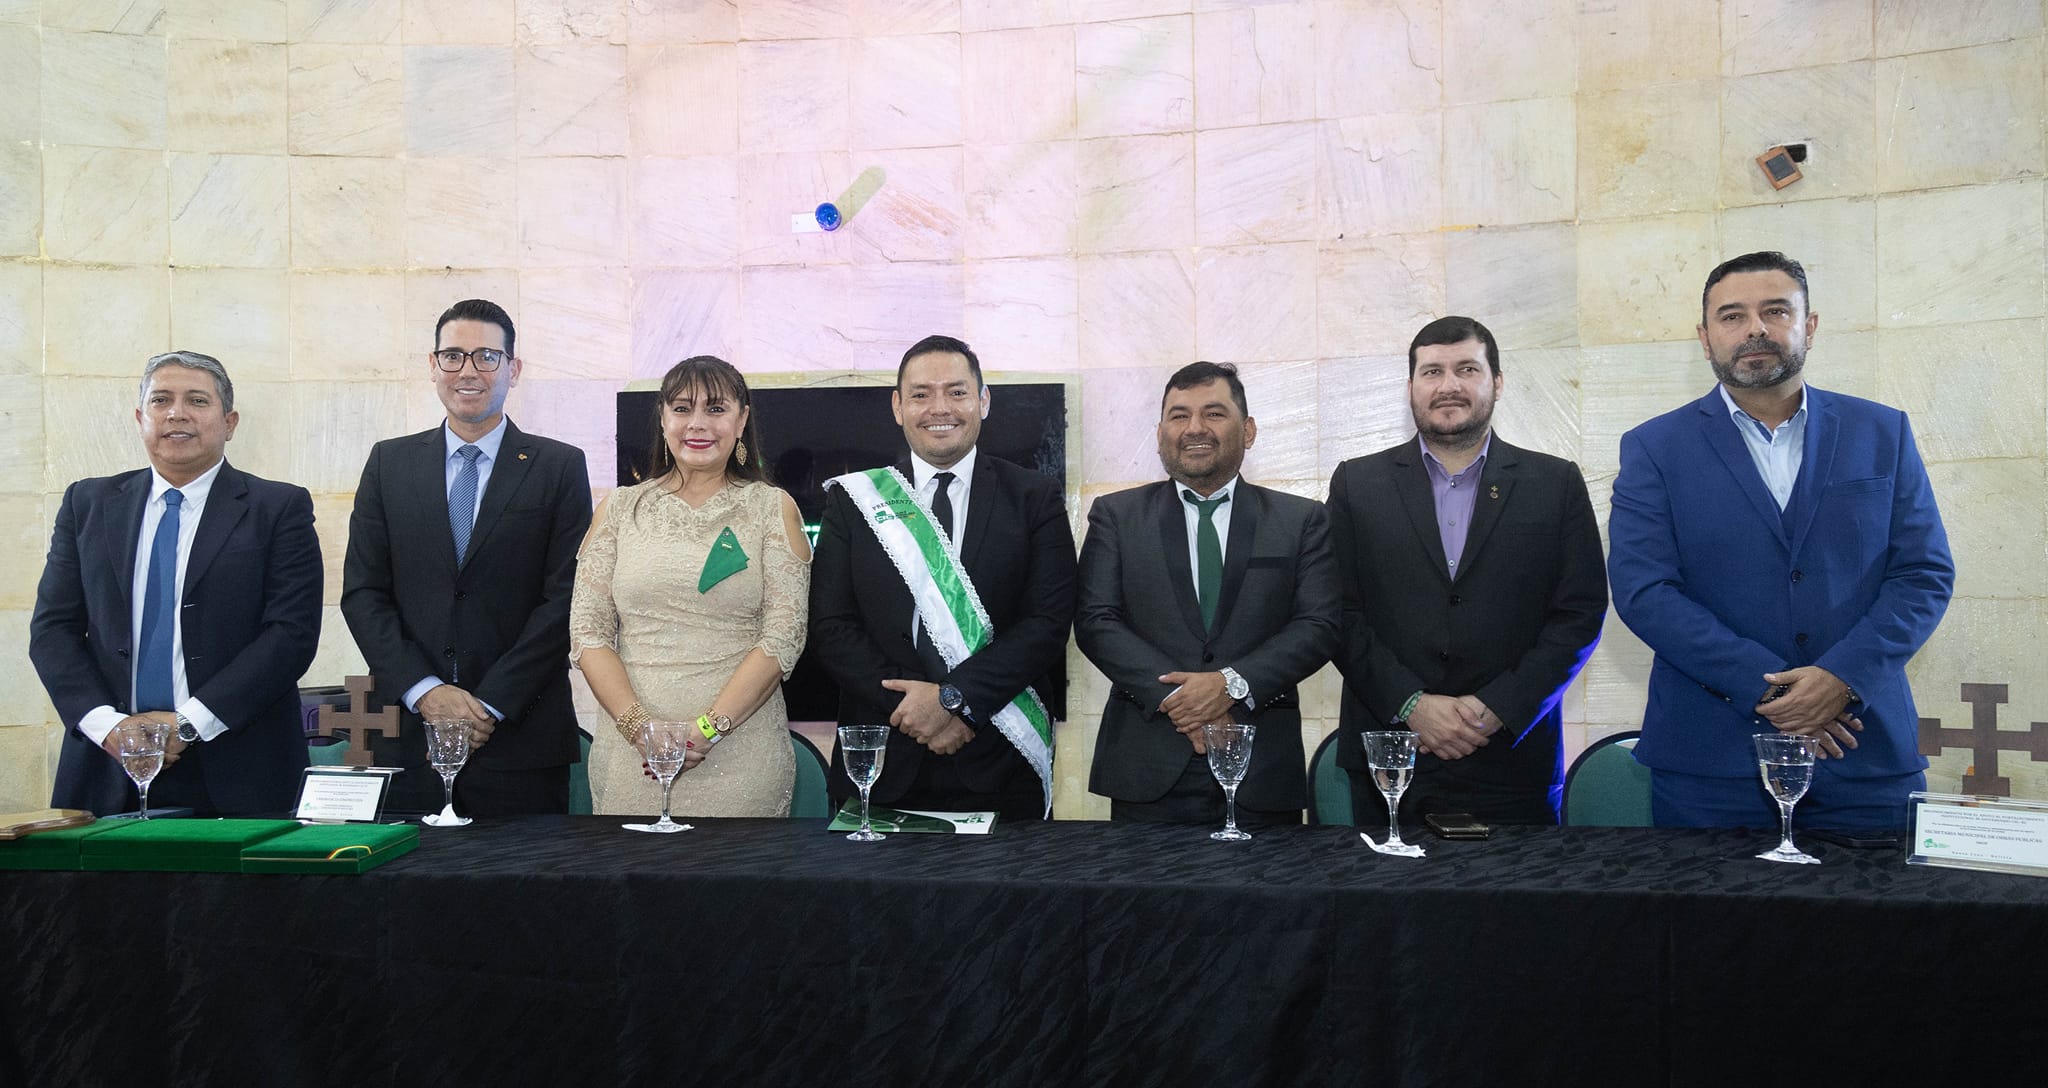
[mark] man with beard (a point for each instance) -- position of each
(1778, 547)
(1204, 599)
(1473, 594)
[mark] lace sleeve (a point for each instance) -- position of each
(593, 616)
(786, 582)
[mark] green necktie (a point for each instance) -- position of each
(1209, 552)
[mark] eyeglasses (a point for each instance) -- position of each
(486, 359)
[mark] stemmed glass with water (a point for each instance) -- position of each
(663, 745)
(1230, 753)
(1786, 763)
(447, 751)
(1391, 755)
(142, 754)
(862, 748)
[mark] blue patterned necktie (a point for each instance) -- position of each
(153, 689)
(462, 500)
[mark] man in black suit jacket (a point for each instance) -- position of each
(1474, 590)
(471, 621)
(950, 752)
(235, 626)
(1177, 661)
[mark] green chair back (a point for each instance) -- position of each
(809, 800)
(579, 779)
(327, 755)
(1606, 787)
(1329, 787)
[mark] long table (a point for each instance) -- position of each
(567, 951)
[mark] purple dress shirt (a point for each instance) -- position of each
(1455, 497)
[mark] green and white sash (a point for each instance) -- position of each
(947, 604)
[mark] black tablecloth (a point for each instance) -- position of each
(567, 951)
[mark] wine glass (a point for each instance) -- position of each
(663, 744)
(1230, 752)
(1391, 755)
(447, 751)
(142, 754)
(862, 748)
(1786, 763)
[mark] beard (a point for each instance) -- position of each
(1468, 433)
(1729, 373)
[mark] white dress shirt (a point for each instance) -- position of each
(1778, 453)
(1220, 519)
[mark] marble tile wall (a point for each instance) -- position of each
(1110, 188)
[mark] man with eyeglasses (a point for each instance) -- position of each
(461, 558)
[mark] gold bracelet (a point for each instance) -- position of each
(632, 722)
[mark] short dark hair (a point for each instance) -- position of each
(932, 345)
(718, 379)
(1195, 374)
(190, 360)
(477, 309)
(1454, 330)
(1763, 260)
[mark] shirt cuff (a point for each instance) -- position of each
(98, 722)
(493, 710)
(202, 719)
(411, 698)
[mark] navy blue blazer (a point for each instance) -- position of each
(250, 622)
(1853, 576)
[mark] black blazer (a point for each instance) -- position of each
(1019, 552)
(1515, 627)
(498, 625)
(1277, 623)
(250, 622)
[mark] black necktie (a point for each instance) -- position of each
(942, 504)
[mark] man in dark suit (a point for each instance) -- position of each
(1204, 599)
(187, 594)
(1779, 547)
(461, 559)
(1473, 593)
(971, 729)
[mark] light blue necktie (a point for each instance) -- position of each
(462, 500)
(153, 689)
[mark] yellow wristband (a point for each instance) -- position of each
(705, 727)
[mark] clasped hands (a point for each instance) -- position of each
(173, 747)
(1198, 699)
(1452, 726)
(1815, 704)
(448, 701)
(923, 720)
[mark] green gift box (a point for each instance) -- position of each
(51, 849)
(331, 848)
(179, 846)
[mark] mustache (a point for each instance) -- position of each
(1759, 344)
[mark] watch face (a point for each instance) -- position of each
(950, 697)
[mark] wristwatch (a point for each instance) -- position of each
(187, 732)
(1234, 685)
(953, 701)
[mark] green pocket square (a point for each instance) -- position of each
(727, 558)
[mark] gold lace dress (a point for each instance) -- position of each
(636, 592)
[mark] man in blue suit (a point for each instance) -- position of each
(186, 593)
(1779, 548)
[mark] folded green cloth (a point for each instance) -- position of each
(727, 558)
(51, 849)
(331, 848)
(179, 846)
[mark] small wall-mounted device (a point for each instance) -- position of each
(1781, 164)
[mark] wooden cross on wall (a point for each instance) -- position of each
(1985, 740)
(358, 721)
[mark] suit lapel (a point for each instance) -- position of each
(225, 506)
(132, 498)
(1496, 487)
(426, 478)
(1411, 482)
(1816, 464)
(1719, 431)
(1173, 540)
(508, 472)
(980, 501)
(1245, 507)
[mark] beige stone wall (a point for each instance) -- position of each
(1108, 187)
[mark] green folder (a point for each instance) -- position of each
(331, 848)
(888, 820)
(51, 849)
(178, 846)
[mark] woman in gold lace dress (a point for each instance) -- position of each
(690, 603)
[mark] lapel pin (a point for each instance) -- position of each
(1493, 492)
(522, 457)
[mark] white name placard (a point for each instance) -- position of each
(1996, 834)
(344, 794)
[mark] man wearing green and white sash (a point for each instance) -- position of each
(942, 590)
